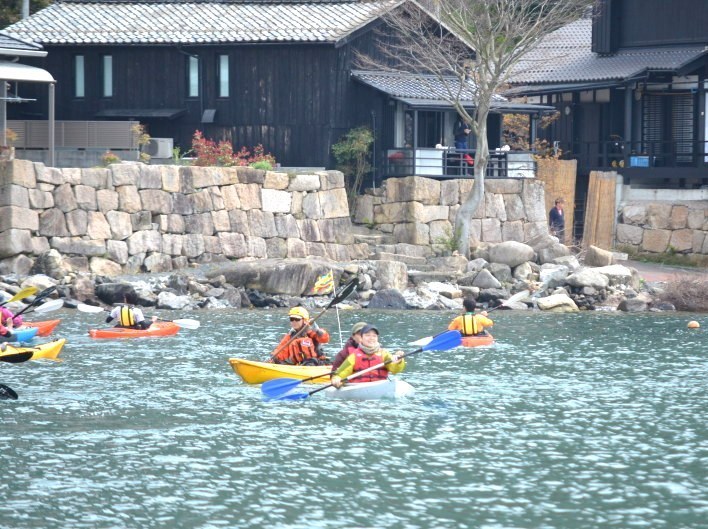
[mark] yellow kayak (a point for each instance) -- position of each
(49, 350)
(258, 372)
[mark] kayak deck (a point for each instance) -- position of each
(45, 327)
(391, 388)
(252, 372)
(157, 329)
(48, 351)
(478, 340)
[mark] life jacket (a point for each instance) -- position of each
(126, 316)
(364, 361)
(469, 325)
(301, 349)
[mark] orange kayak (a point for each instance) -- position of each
(157, 329)
(477, 340)
(45, 327)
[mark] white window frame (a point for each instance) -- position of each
(107, 72)
(79, 76)
(192, 76)
(224, 76)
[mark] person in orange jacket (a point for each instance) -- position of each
(302, 345)
(471, 324)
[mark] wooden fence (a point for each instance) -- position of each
(600, 214)
(559, 179)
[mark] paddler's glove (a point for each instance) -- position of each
(336, 381)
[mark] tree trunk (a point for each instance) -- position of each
(476, 195)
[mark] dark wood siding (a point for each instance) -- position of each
(656, 22)
(602, 25)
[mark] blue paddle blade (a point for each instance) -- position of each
(446, 340)
(278, 386)
(287, 396)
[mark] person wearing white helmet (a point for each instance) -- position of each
(302, 345)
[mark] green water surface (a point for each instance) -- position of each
(589, 420)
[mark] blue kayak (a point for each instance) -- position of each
(23, 335)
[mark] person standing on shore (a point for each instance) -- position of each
(556, 220)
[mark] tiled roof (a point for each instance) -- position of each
(412, 86)
(565, 56)
(8, 44)
(172, 22)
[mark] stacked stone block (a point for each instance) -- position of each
(134, 217)
(421, 211)
(659, 227)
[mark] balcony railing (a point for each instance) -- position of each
(456, 163)
(635, 154)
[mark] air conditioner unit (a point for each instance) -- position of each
(159, 147)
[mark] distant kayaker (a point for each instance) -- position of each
(471, 324)
(349, 347)
(128, 315)
(368, 354)
(5, 334)
(8, 319)
(302, 345)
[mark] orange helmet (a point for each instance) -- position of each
(299, 312)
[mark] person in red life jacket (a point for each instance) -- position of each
(8, 319)
(349, 347)
(470, 324)
(129, 316)
(302, 345)
(368, 354)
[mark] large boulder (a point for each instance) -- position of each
(50, 263)
(292, 277)
(511, 253)
(588, 278)
(111, 293)
(557, 303)
(598, 257)
(388, 298)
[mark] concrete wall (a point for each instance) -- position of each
(132, 217)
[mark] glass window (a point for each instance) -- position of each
(193, 73)
(223, 76)
(79, 80)
(107, 76)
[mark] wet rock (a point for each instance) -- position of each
(557, 303)
(111, 293)
(633, 305)
(388, 298)
(168, 300)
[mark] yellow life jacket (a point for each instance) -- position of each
(469, 325)
(126, 317)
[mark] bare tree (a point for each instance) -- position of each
(470, 45)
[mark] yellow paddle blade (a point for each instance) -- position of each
(22, 294)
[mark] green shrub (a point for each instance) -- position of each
(262, 165)
(353, 153)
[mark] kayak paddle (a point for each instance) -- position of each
(441, 342)
(185, 323)
(16, 358)
(49, 306)
(278, 386)
(338, 298)
(7, 393)
(39, 297)
(22, 294)
(513, 299)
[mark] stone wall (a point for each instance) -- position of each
(660, 227)
(421, 211)
(132, 217)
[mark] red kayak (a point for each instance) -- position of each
(157, 329)
(45, 327)
(477, 340)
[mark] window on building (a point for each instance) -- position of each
(193, 76)
(223, 76)
(107, 70)
(79, 77)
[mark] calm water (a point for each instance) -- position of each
(569, 421)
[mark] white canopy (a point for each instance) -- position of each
(13, 71)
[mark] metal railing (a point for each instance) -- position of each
(455, 163)
(637, 154)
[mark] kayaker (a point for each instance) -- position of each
(368, 354)
(350, 346)
(471, 324)
(5, 334)
(128, 315)
(302, 345)
(8, 319)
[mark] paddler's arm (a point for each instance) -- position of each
(394, 367)
(317, 334)
(344, 370)
(456, 324)
(282, 350)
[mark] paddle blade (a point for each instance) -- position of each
(187, 323)
(517, 297)
(22, 294)
(345, 292)
(45, 293)
(90, 309)
(422, 341)
(272, 389)
(7, 393)
(443, 341)
(287, 396)
(16, 358)
(49, 306)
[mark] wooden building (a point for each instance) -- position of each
(252, 72)
(631, 86)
